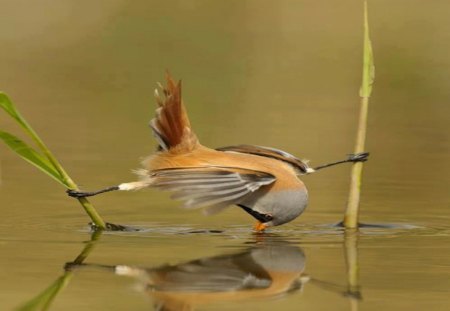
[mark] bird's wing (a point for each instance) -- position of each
(269, 153)
(209, 275)
(214, 187)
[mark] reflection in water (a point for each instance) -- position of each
(351, 261)
(265, 270)
(44, 299)
(269, 268)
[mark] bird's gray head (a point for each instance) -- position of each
(289, 205)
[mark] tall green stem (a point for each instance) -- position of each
(352, 211)
(90, 210)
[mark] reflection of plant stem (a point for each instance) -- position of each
(352, 291)
(95, 236)
(351, 261)
(351, 213)
(44, 299)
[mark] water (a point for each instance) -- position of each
(279, 74)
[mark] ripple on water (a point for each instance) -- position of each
(319, 233)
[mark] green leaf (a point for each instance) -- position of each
(31, 156)
(7, 105)
(368, 62)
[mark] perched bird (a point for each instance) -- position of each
(262, 181)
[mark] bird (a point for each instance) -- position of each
(262, 181)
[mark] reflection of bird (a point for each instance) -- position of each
(262, 181)
(262, 271)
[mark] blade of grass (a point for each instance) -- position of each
(10, 108)
(368, 77)
(7, 105)
(50, 161)
(31, 156)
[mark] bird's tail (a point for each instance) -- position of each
(171, 125)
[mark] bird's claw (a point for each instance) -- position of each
(70, 266)
(76, 193)
(358, 157)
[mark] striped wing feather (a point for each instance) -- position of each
(212, 187)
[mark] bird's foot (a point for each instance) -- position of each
(71, 266)
(76, 193)
(81, 194)
(358, 157)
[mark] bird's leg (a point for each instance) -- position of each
(125, 186)
(357, 157)
(260, 227)
(81, 194)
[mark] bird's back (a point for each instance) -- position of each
(201, 156)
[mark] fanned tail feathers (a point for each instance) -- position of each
(171, 125)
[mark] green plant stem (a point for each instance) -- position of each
(352, 211)
(87, 206)
(90, 210)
